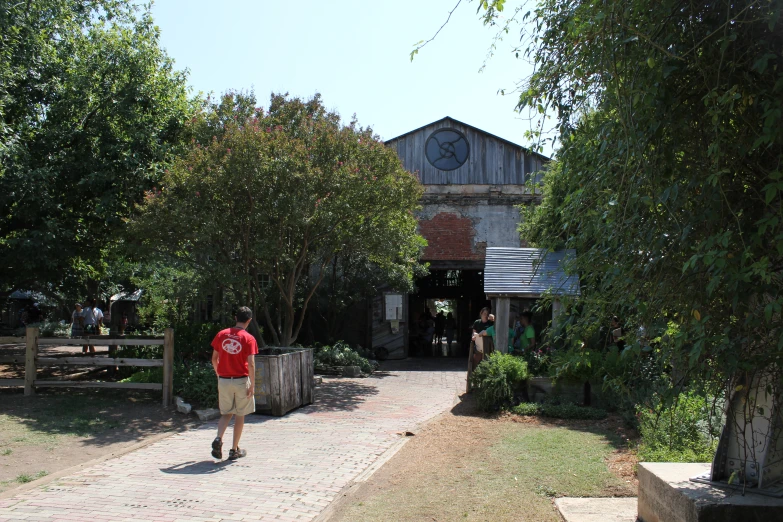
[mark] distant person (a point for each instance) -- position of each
(77, 321)
(34, 314)
(491, 332)
(23, 318)
(123, 323)
(483, 322)
(479, 325)
(449, 327)
(233, 358)
(92, 323)
(427, 330)
(525, 335)
(440, 325)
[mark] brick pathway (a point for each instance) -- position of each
(296, 465)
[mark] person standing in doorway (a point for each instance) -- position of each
(450, 327)
(233, 358)
(440, 325)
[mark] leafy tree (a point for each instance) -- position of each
(92, 110)
(265, 200)
(668, 184)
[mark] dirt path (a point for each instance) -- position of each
(465, 466)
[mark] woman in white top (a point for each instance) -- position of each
(92, 322)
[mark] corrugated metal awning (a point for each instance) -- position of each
(528, 272)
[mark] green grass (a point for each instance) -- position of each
(558, 461)
(6, 452)
(512, 476)
(24, 478)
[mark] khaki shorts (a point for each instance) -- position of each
(232, 394)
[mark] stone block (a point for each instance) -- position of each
(182, 406)
(597, 509)
(208, 414)
(666, 494)
(352, 371)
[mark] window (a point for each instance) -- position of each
(447, 149)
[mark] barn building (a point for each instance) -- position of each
(474, 183)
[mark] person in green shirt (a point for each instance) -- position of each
(526, 334)
(490, 332)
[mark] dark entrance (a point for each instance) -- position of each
(459, 290)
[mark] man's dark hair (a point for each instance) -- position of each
(244, 314)
(485, 309)
(528, 316)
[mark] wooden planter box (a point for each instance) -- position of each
(569, 390)
(284, 380)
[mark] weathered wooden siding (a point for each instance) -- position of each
(492, 161)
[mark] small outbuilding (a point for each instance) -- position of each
(515, 276)
(122, 304)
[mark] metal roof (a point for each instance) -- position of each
(30, 295)
(528, 272)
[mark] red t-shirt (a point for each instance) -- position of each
(234, 346)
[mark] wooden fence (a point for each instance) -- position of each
(32, 362)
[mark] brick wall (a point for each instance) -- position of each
(451, 237)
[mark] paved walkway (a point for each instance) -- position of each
(296, 465)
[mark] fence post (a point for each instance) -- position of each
(29, 360)
(168, 366)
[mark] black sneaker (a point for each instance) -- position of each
(217, 448)
(236, 454)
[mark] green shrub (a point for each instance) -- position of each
(685, 431)
(340, 354)
(193, 381)
(496, 379)
(559, 411)
(193, 341)
(54, 329)
(527, 409)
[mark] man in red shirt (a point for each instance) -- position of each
(233, 358)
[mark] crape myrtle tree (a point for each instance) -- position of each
(669, 177)
(265, 201)
(91, 109)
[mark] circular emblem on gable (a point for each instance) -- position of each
(232, 346)
(447, 149)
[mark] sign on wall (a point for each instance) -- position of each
(393, 307)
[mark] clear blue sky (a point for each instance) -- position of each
(355, 53)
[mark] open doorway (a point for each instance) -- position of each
(443, 292)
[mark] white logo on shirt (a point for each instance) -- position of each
(232, 346)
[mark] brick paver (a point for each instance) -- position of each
(296, 465)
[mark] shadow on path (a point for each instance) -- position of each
(341, 395)
(205, 467)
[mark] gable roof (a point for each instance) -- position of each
(449, 118)
(528, 272)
